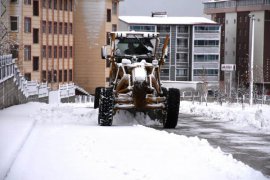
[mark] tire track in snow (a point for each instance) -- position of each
(20, 149)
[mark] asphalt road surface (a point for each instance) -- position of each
(252, 149)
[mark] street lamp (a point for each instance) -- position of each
(251, 16)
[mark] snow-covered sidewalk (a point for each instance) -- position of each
(254, 118)
(41, 141)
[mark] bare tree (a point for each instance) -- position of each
(259, 90)
(204, 85)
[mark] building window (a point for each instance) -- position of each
(70, 52)
(182, 57)
(49, 77)
(114, 8)
(27, 53)
(43, 26)
(65, 5)
(13, 23)
(65, 52)
(55, 51)
(27, 76)
(60, 27)
(163, 29)
(60, 76)
(35, 35)
(27, 2)
(44, 76)
(183, 43)
(65, 75)
(61, 4)
(205, 58)
(55, 4)
(207, 43)
(50, 27)
(205, 72)
(36, 8)
(108, 41)
(70, 5)
(44, 51)
(70, 28)
(144, 28)
(164, 72)
(14, 1)
(109, 15)
(54, 76)
(27, 25)
(50, 51)
(70, 75)
(181, 72)
(65, 28)
(35, 63)
(44, 3)
(182, 29)
(55, 27)
(114, 27)
(50, 4)
(206, 29)
(60, 52)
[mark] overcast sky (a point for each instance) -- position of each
(173, 7)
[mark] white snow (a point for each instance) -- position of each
(63, 141)
(254, 118)
(165, 20)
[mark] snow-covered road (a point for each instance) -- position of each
(251, 148)
(41, 141)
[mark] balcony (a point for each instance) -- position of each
(234, 6)
(205, 35)
(206, 49)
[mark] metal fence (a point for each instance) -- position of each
(10, 76)
(6, 67)
(84, 99)
(211, 97)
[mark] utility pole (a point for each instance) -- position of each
(251, 61)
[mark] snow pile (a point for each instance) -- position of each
(255, 118)
(64, 142)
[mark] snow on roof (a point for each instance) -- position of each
(165, 20)
(126, 33)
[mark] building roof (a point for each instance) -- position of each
(165, 20)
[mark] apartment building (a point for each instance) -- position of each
(93, 21)
(194, 46)
(43, 32)
(235, 17)
(59, 41)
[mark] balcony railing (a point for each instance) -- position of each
(234, 4)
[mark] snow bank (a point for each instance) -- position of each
(66, 143)
(256, 117)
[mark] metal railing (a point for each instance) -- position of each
(6, 67)
(235, 4)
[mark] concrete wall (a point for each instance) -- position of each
(10, 95)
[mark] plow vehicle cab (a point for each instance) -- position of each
(135, 61)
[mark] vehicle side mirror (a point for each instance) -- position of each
(105, 51)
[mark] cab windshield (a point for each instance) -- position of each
(135, 46)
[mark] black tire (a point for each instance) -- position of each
(173, 103)
(164, 91)
(97, 95)
(106, 103)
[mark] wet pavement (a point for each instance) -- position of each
(251, 148)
